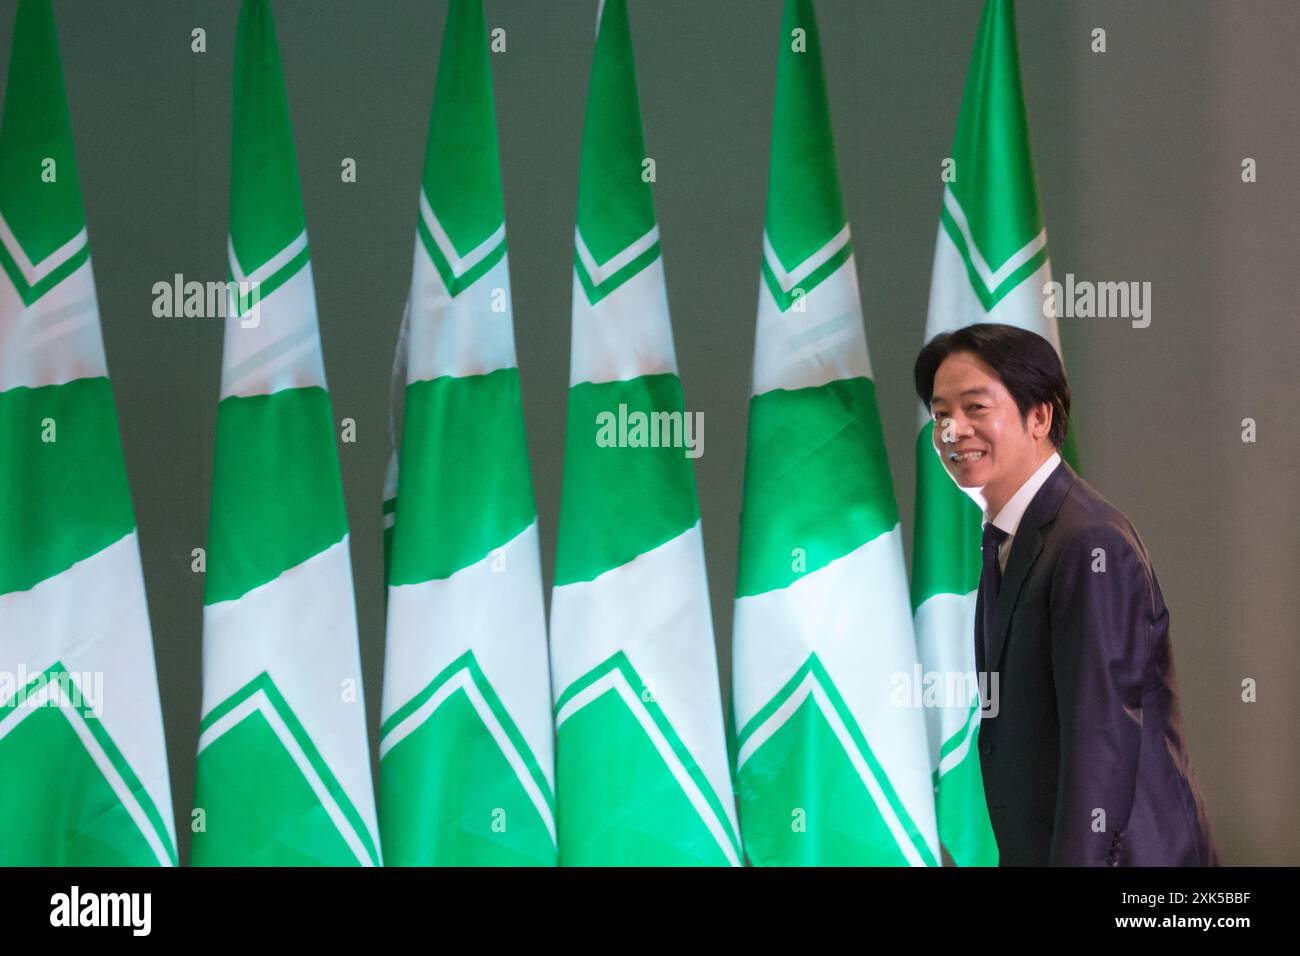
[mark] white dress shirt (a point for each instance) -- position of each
(1008, 519)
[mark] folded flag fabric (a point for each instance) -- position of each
(283, 774)
(990, 265)
(466, 746)
(641, 761)
(832, 767)
(82, 754)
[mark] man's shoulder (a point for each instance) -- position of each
(1089, 535)
(1086, 520)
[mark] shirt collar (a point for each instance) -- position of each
(1008, 519)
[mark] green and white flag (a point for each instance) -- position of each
(832, 768)
(467, 748)
(283, 765)
(82, 756)
(641, 761)
(990, 265)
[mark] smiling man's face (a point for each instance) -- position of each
(980, 436)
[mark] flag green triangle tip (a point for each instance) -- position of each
(615, 201)
(805, 208)
(462, 167)
(40, 191)
(255, 41)
(265, 197)
(996, 41)
(994, 171)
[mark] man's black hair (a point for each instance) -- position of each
(1025, 362)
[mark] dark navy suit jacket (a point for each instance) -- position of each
(1084, 762)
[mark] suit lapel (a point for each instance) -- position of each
(1025, 548)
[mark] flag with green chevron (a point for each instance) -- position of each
(641, 760)
(466, 747)
(82, 754)
(990, 265)
(283, 772)
(831, 768)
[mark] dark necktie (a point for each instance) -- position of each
(990, 584)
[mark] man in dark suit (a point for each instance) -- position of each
(1084, 763)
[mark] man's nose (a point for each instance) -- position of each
(952, 428)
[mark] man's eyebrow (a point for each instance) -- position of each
(970, 391)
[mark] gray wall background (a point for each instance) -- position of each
(1138, 154)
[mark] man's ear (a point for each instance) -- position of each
(1040, 420)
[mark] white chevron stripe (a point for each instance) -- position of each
(855, 614)
(459, 264)
(788, 280)
(52, 695)
(301, 629)
(462, 680)
(625, 334)
(35, 272)
(494, 607)
(464, 335)
(258, 702)
(822, 342)
(93, 617)
(990, 277)
(598, 273)
(811, 685)
(954, 304)
(615, 681)
(271, 266)
(54, 340)
(282, 350)
(656, 610)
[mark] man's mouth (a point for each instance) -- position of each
(965, 456)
